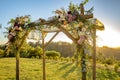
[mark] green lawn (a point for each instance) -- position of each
(31, 69)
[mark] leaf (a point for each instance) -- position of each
(11, 21)
(85, 1)
(90, 11)
(72, 7)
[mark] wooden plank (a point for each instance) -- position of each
(68, 34)
(88, 16)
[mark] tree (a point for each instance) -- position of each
(66, 49)
(34, 52)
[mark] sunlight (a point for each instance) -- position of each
(108, 37)
(60, 37)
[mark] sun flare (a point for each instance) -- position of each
(108, 37)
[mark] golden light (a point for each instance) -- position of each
(108, 37)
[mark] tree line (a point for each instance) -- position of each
(63, 49)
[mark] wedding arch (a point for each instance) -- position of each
(76, 23)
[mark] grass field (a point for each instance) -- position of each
(31, 69)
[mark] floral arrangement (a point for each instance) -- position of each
(18, 24)
(75, 18)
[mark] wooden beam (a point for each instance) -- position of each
(88, 16)
(55, 30)
(51, 39)
(50, 31)
(82, 9)
(44, 66)
(68, 34)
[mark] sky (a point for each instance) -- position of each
(107, 11)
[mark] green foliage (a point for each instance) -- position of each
(66, 49)
(62, 58)
(73, 59)
(109, 61)
(118, 63)
(24, 53)
(35, 52)
(57, 58)
(27, 51)
(116, 67)
(100, 57)
(85, 1)
(53, 54)
(68, 59)
(1, 53)
(73, 7)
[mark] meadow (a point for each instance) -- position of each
(31, 69)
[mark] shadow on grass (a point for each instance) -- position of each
(65, 66)
(62, 63)
(71, 70)
(10, 79)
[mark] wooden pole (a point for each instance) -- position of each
(94, 54)
(17, 65)
(81, 50)
(43, 47)
(18, 48)
(68, 34)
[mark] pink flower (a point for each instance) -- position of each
(81, 39)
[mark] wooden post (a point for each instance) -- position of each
(17, 65)
(83, 58)
(43, 47)
(18, 48)
(94, 54)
